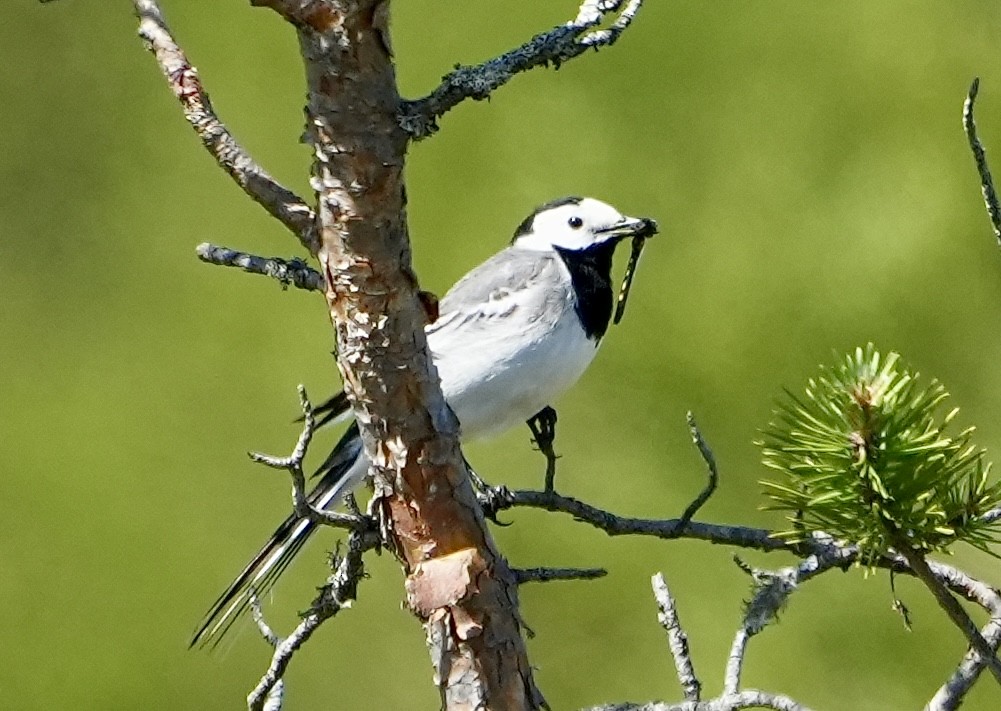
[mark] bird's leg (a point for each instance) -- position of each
(543, 427)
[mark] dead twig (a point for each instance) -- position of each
(339, 591)
(980, 158)
(562, 43)
(546, 575)
(279, 201)
(677, 640)
(293, 464)
(291, 272)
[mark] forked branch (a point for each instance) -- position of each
(338, 592)
(293, 463)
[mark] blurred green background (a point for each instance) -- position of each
(808, 168)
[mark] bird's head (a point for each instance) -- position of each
(578, 224)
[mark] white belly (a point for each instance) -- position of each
(494, 385)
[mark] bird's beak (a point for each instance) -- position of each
(631, 227)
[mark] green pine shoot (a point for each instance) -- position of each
(865, 456)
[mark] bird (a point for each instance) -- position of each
(511, 336)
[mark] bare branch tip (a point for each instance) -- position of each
(677, 639)
(258, 616)
(292, 272)
(547, 575)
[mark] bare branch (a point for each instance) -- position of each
(341, 588)
(293, 464)
(275, 698)
(420, 118)
(710, 460)
(923, 571)
(500, 498)
(951, 694)
(292, 272)
(750, 699)
(772, 589)
(980, 157)
(825, 548)
(546, 575)
(677, 640)
(280, 202)
(823, 552)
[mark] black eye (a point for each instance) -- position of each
(575, 222)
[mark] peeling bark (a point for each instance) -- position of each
(458, 583)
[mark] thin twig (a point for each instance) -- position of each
(257, 614)
(916, 560)
(500, 498)
(771, 590)
(677, 640)
(546, 575)
(341, 588)
(279, 201)
(420, 118)
(292, 272)
(822, 551)
(748, 699)
(980, 157)
(293, 464)
(275, 698)
(951, 694)
(710, 460)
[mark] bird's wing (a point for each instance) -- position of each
(513, 279)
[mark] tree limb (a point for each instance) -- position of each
(293, 464)
(458, 583)
(677, 640)
(546, 575)
(293, 272)
(748, 699)
(710, 460)
(923, 572)
(980, 158)
(951, 694)
(338, 592)
(419, 118)
(280, 202)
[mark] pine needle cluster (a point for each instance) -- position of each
(865, 456)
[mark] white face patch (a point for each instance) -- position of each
(570, 226)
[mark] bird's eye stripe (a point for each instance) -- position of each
(575, 222)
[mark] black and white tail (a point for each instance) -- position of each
(340, 473)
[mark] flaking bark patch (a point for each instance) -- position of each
(445, 581)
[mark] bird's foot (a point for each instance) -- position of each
(543, 427)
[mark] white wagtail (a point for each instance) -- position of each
(511, 337)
